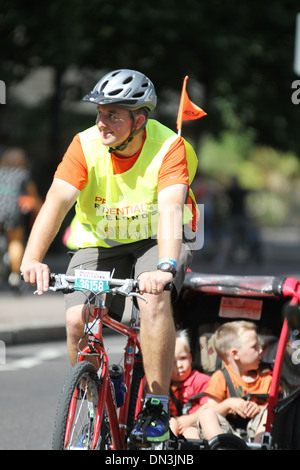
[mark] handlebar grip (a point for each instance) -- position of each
(168, 286)
(51, 277)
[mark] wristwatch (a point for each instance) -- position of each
(167, 267)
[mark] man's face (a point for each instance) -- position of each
(114, 124)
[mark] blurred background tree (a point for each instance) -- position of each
(238, 55)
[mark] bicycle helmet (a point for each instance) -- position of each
(125, 88)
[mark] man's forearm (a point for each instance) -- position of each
(43, 233)
(170, 232)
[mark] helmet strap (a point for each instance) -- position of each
(133, 133)
(121, 147)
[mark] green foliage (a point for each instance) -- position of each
(271, 176)
(239, 53)
(223, 157)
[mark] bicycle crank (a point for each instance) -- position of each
(133, 444)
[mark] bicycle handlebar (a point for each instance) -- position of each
(126, 287)
(63, 282)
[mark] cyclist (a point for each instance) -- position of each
(129, 176)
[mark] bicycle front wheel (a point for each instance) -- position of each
(76, 414)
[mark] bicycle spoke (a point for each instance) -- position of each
(77, 411)
(83, 423)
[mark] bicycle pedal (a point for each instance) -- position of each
(159, 445)
(136, 444)
(142, 446)
(148, 446)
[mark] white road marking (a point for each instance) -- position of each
(32, 361)
(114, 345)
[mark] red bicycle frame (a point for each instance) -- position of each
(106, 396)
(276, 377)
(291, 288)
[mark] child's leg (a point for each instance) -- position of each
(173, 425)
(261, 428)
(209, 423)
(191, 432)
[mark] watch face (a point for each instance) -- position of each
(167, 267)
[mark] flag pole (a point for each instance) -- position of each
(180, 110)
(187, 109)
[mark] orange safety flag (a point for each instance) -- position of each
(188, 111)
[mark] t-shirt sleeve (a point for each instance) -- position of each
(200, 384)
(217, 387)
(73, 168)
(174, 168)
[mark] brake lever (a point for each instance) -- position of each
(135, 294)
(58, 283)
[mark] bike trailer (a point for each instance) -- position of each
(273, 303)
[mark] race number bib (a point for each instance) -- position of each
(94, 281)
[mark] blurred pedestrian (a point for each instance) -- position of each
(18, 198)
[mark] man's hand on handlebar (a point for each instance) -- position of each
(154, 282)
(34, 272)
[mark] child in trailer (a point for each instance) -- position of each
(185, 383)
(237, 344)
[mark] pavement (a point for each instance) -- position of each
(28, 318)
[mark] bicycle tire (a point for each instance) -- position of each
(81, 382)
(227, 442)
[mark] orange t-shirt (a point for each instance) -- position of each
(217, 387)
(73, 168)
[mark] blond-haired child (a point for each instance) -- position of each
(185, 383)
(237, 344)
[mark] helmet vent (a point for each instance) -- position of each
(103, 85)
(138, 95)
(127, 80)
(115, 92)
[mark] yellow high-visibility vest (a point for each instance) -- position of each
(117, 209)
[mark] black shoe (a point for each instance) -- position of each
(152, 423)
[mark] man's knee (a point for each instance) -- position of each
(74, 321)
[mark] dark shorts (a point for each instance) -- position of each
(127, 261)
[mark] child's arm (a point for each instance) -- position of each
(185, 421)
(245, 409)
